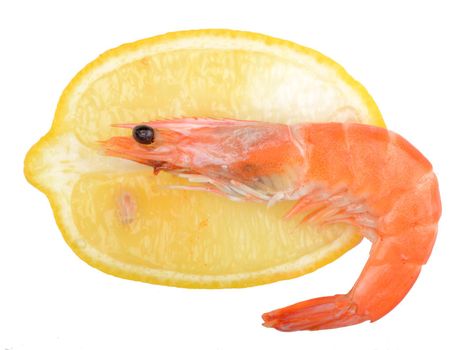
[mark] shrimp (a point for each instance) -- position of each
(335, 172)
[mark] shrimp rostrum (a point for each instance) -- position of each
(358, 174)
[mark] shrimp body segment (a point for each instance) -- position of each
(336, 172)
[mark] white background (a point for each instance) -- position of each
(410, 57)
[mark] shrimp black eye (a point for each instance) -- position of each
(143, 134)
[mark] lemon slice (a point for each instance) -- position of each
(118, 217)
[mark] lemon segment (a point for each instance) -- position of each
(172, 231)
(119, 217)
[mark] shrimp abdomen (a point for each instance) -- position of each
(395, 184)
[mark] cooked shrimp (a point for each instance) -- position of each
(336, 172)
